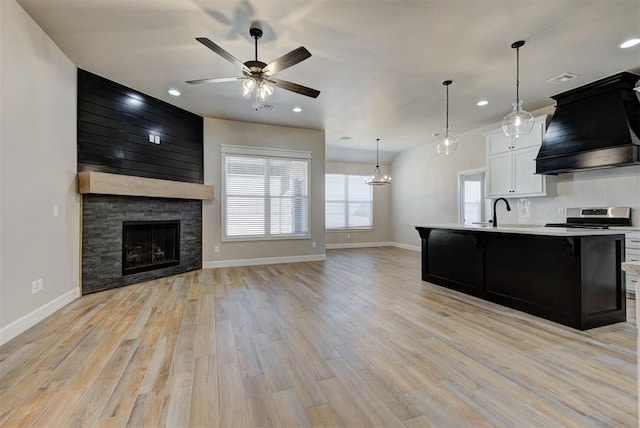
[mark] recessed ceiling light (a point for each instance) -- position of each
(174, 92)
(482, 103)
(629, 43)
(297, 109)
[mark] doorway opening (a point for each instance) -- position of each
(471, 205)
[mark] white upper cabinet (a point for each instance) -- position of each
(511, 163)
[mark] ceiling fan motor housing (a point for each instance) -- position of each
(255, 66)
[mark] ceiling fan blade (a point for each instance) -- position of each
(287, 60)
(224, 54)
(294, 87)
(215, 80)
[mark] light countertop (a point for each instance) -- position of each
(631, 267)
(522, 229)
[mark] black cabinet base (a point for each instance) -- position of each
(574, 281)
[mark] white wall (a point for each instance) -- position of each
(219, 131)
(429, 188)
(37, 171)
(381, 232)
(425, 185)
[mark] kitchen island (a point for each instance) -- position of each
(570, 276)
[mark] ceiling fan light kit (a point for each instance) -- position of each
(377, 178)
(519, 121)
(257, 76)
(447, 143)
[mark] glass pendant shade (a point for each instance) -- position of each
(517, 122)
(247, 87)
(447, 143)
(262, 88)
(377, 178)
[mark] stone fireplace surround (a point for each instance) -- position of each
(102, 218)
(108, 200)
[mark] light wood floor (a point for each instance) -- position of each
(358, 340)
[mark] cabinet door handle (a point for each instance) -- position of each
(634, 240)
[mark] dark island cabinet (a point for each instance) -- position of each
(573, 280)
(453, 259)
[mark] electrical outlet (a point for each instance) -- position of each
(34, 287)
(313, 245)
(348, 236)
(216, 249)
(40, 285)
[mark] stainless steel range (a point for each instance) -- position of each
(595, 217)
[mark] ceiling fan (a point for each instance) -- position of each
(257, 76)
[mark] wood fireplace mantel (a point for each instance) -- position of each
(127, 185)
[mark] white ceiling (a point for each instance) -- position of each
(379, 64)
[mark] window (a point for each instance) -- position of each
(265, 193)
(348, 202)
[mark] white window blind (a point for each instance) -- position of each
(348, 202)
(265, 193)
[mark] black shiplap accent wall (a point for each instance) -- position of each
(114, 123)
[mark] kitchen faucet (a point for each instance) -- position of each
(495, 217)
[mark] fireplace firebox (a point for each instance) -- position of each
(149, 245)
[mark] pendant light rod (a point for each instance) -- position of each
(517, 45)
(447, 83)
(377, 148)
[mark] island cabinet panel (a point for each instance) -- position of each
(447, 252)
(539, 275)
(573, 280)
(601, 267)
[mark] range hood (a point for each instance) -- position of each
(594, 126)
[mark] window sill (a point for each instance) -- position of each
(264, 238)
(349, 230)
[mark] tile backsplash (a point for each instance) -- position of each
(605, 187)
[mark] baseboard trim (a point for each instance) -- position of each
(26, 322)
(264, 261)
(359, 245)
(407, 246)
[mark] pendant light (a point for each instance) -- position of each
(517, 122)
(447, 142)
(377, 179)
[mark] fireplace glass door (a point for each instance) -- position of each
(150, 245)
